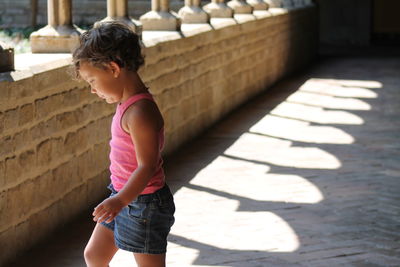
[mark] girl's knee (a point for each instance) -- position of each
(94, 257)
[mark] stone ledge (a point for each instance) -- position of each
(28, 65)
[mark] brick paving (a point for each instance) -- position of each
(307, 174)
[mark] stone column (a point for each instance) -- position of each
(118, 10)
(218, 9)
(6, 57)
(193, 13)
(308, 2)
(240, 7)
(60, 35)
(160, 18)
(298, 3)
(287, 3)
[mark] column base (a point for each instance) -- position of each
(218, 10)
(240, 7)
(6, 58)
(258, 4)
(160, 21)
(193, 14)
(274, 3)
(61, 39)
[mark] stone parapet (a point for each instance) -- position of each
(54, 134)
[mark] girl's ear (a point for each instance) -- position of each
(115, 69)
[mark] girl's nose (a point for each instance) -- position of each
(92, 90)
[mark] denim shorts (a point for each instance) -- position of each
(143, 225)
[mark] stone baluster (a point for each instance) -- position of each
(218, 9)
(118, 10)
(60, 35)
(287, 3)
(308, 2)
(6, 57)
(160, 18)
(193, 13)
(298, 3)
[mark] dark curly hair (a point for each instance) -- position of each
(105, 42)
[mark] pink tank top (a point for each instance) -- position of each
(123, 155)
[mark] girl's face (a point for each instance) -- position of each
(103, 82)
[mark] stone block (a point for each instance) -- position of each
(26, 114)
(44, 152)
(66, 177)
(67, 120)
(7, 240)
(44, 185)
(72, 203)
(97, 188)
(44, 128)
(48, 105)
(2, 174)
(12, 170)
(6, 144)
(27, 161)
(11, 118)
(18, 202)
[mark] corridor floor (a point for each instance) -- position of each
(306, 174)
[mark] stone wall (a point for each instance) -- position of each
(54, 134)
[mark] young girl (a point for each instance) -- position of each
(138, 215)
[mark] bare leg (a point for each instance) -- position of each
(150, 260)
(101, 248)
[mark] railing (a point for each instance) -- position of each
(60, 35)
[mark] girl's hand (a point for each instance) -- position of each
(108, 209)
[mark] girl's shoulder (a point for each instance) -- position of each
(142, 113)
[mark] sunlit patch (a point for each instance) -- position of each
(301, 131)
(123, 259)
(281, 153)
(316, 114)
(329, 88)
(227, 174)
(328, 101)
(261, 231)
(352, 83)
